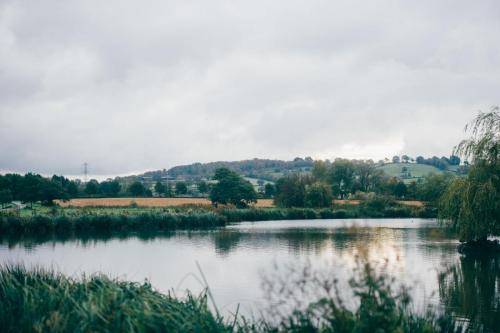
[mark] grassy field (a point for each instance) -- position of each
(416, 170)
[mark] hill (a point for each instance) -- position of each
(263, 169)
(409, 172)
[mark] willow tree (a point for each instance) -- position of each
(471, 204)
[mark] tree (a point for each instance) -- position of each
(291, 191)
(203, 187)
(395, 159)
(231, 188)
(92, 187)
(420, 159)
(269, 190)
(110, 188)
(5, 197)
(433, 187)
(30, 190)
(72, 189)
(454, 160)
(400, 190)
(180, 188)
(320, 171)
(341, 176)
(136, 189)
(471, 204)
(405, 158)
(160, 188)
(51, 190)
(318, 195)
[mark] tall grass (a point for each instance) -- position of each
(43, 301)
(88, 223)
(85, 221)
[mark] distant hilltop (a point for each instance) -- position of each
(403, 167)
(265, 169)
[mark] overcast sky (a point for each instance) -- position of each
(129, 86)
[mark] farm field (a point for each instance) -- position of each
(147, 202)
(178, 202)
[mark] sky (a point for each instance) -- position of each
(128, 86)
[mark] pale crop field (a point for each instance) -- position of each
(147, 202)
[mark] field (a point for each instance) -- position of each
(416, 170)
(148, 202)
(179, 202)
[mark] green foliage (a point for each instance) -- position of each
(400, 190)
(180, 188)
(110, 188)
(92, 187)
(318, 195)
(203, 187)
(44, 301)
(320, 171)
(433, 187)
(379, 305)
(291, 191)
(5, 197)
(269, 190)
(87, 222)
(232, 189)
(341, 176)
(136, 189)
(472, 205)
(41, 301)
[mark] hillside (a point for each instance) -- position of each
(264, 169)
(410, 171)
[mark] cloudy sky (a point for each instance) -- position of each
(141, 85)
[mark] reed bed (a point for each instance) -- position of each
(38, 300)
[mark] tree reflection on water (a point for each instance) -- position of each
(470, 290)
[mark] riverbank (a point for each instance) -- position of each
(44, 301)
(86, 221)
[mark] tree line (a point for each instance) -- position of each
(352, 179)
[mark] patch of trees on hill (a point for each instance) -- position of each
(442, 163)
(256, 168)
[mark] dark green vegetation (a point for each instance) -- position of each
(471, 204)
(41, 301)
(255, 168)
(88, 221)
(354, 179)
(346, 179)
(231, 188)
(470, 288)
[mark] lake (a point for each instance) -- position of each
(240, 261)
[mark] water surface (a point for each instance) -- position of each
(234, 260)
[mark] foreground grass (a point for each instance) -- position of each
(43, 301)
(39, 301)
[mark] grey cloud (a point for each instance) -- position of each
(130, 86)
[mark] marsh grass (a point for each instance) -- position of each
(43, 301)
(88, 220)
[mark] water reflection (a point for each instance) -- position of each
(470, 289)
(234, 259)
